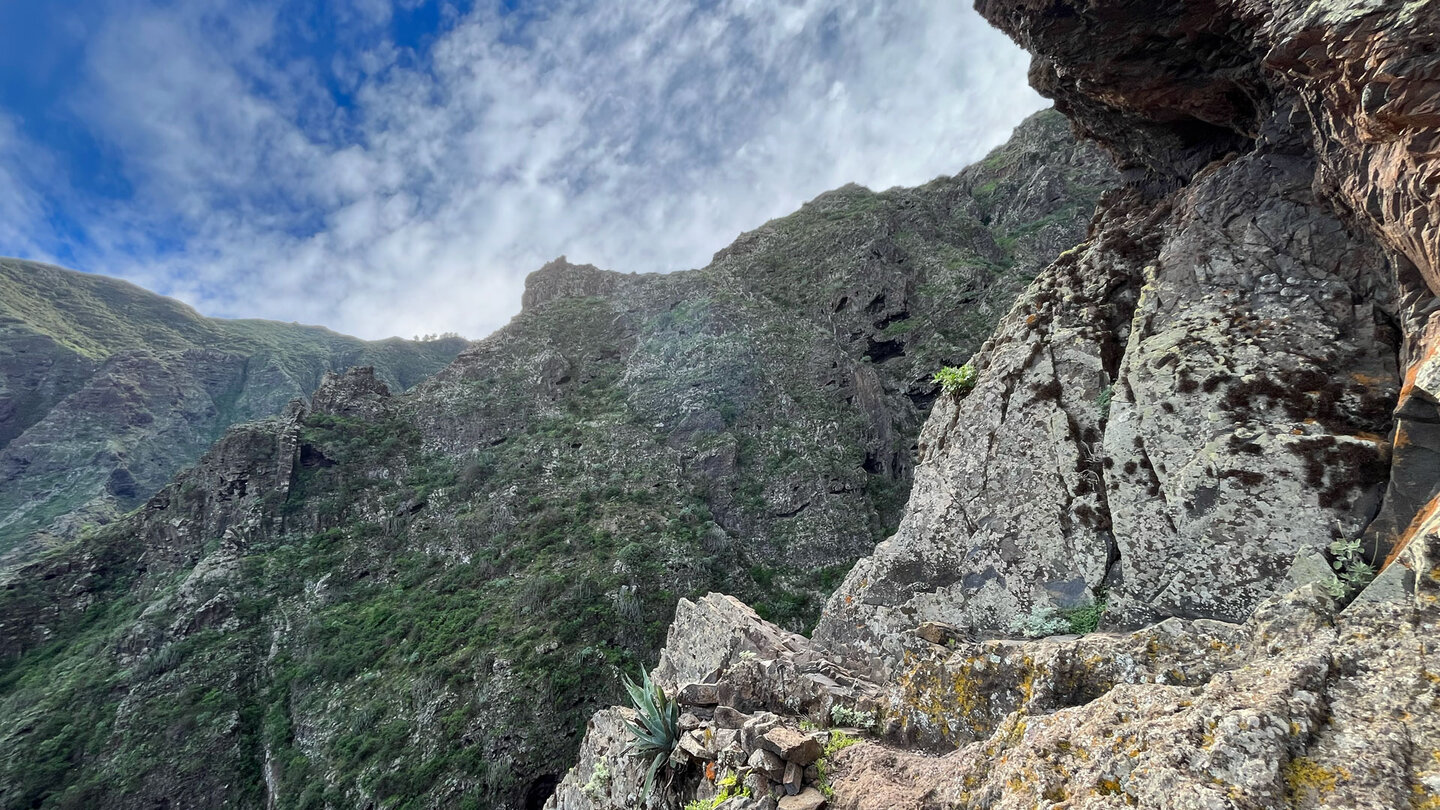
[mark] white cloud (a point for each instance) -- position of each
(640, 135)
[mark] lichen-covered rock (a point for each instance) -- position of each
(1249, 417)
(1173, 415)
(943, 696)
(1317, 708)
(1008, 509)
(604, 776)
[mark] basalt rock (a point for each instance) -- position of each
(1235, 419)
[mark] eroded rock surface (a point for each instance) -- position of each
(1313, 708)
(1215, 417)
(1247, 422)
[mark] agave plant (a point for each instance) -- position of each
(658, 729)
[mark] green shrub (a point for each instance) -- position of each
(1352, 573)
(956, 380)
(1048, 621)
(1102, 402)
(846, 716)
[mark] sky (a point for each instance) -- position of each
(397, 168)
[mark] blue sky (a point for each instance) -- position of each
(398, 167)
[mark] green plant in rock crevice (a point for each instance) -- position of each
(846, 716)
(837, 742)
(658, 729)
(1352, 572)
(1102, 402)
(956, 380)
(1048, 621)
(729, 787)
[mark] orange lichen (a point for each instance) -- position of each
(1413, 372)
(1414, 530)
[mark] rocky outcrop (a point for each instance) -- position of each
(561, 279)
(355, 394)
(1312, 708)
(1245, 426)
(731, 672)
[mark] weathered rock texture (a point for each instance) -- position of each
(1268, 324)
(1308, 708)
(750, 673)
(1190, 418)
(416, 597)
(107, 391)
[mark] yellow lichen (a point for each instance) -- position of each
(1306, 778)
(1424, 799)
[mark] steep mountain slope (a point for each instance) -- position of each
(1207, 428)
(106, 391)
(415, 600)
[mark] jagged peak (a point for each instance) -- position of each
(561, 279)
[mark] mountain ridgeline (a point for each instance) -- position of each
(107, 391)
(387, 599)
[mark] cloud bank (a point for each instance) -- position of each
(380, 176)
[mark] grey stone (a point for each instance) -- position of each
(768, 763)
(698, 694)
(729, 717)
(809, 799)
(794, 778)
(791, 745)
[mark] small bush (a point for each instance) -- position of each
(1047, 621)
(846, 716)
(956, 380)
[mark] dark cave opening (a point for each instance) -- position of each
(539, 791)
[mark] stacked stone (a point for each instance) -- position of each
(776, 762)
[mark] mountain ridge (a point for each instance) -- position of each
(419, 596)
(108, 390)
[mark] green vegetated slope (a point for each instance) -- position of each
(107, 390)
(417, 600)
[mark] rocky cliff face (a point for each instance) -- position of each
(107, 391)
(1207, 427)
(419, 597)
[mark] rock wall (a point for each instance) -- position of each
(1196, 424)
(1247, 424)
